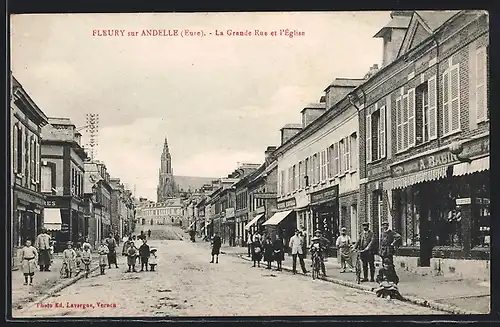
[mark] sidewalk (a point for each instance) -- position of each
(460, 296)
(43, 282)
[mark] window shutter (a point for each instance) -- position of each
(399, 125)
(14, 146)
(33, 162)
(382, 141)
(322, 158)
(37, 161)
(21, 148)
(347, 154)
(27, 158)
(46, 179)
(455, 98)
(336, 159)
(411, 118)
(431, 85)
(481, 79)
(341, 157)
(446, 103)
(368, 138)
(405, 122)
(329, 162)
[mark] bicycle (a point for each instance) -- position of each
(357, 267)
(316, 265)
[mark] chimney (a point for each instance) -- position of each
(373, 70)
(311, 112)
(288, 131)
(268, 154)
(339, 88)
(393, 34)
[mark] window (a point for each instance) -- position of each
(27, 157)
(316, 168)
(354, 222)
(301, 174)
(329, 163)
(376, 134)
(405, 121)
(32, 159)
(451, 99)
(341, 157)
(409, 212)
(347, 154)
(425, 111)
(481, 82)
(15, 145)
(336, 159)
(282, 182)
(311, 170)
(290, 180)
(307, 173)
(323, 165)
(37, 161)
(354, 151)
(46, 179)
(294, 178)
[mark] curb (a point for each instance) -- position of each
(412, 299)
(57, 289)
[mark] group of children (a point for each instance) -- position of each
(147, 256)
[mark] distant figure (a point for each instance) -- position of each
(256, 251)
(149, 233)
(279, 251)
(268, 251)
(131, 257)
(42, 243)
(142, 236)
(144, 253)
(69, 259)
(86, 258)
(249, 243)
(103, 256)
(153, 260)
(216, 244)
(29, 256)
(111, 243)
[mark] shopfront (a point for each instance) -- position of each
(27, 215)
(441, 204)
(325, 214)
(230, 226)
(283, 222)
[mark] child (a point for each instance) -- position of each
(103, 256)
(86, 258)
(144, 254)
(51, 251)
(279, 252)
(78, 260)
(153, 260)
(69, 258)
(29, 259)
(388, 279)
(131, 256)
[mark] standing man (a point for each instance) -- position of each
(42, 244)
(366, 247)
(216, 244)
(388, 241)
(249, 242)
(149, 233)
(296, 246)
(111, 243)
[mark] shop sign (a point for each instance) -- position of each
(442, 158)
(326, 194)
(56, 203)
(463, 201)
(290, 203)
(29, 198)
(265, 195)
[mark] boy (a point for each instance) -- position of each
(29, 257)
(103, 256)
(144, 254)
(86, 258)
(69, 259)
(131, 256)
(153, 260)
(388, 279)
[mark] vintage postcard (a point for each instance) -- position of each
(250, 164)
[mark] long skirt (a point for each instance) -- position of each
(103, 259)
(44, 258)
(29, 266)
(131, 260)
(112, 258)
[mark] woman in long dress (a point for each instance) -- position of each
(29, 257)
(268, 251)
(256, 252)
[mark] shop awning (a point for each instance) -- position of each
(253, 221)
(52, 218)
(465, 168)
(277, 217)
(412, 179)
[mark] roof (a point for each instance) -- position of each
(395, 22)
(346, 82)
(191, 182)
(435, 19)
(294, 126)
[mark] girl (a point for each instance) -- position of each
(29, 257)
(279, 251)
(131, 257)
(388, 280)
(86, 258)
(256, 251)
(153, 260)
(268, 251)
(69, 259)
(103, 256)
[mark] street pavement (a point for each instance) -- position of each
(186, 284)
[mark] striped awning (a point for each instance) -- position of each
(466, 168)
(253, 221)
(412, 179)
(52, 218)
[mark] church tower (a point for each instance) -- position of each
(166, 186)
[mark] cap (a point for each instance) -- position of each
(366, 223)
(69, 243)
(385, 222)
(317, 231)
(343, 229)
(153, 250)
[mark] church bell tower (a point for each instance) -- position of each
(166, 185)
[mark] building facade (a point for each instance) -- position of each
(62, 180)
(167, 212)
(424, 142)
(27, 120)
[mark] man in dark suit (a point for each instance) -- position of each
(366, 246)
(388, 241)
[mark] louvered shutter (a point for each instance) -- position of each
(431, 85)
(341, 157)
(347, 154)
(455, 98)
(336, 159)
(32, 157)
(446, 103)
(381, 137)
(405, 122)
(14, 146)
(481, 79)
(368, 138)
(411, 118)
(27, 157)
(329, 162)
(37, 161)
(399, 125)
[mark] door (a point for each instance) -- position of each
(424, 197)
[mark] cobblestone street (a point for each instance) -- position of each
(186, 284)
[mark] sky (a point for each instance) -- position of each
(219, 100)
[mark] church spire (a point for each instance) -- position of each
(165, 146)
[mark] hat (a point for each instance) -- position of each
(317, 231)
(153, 250)
(385, 222)
(366, 223)
(69, 243)
(343, 228)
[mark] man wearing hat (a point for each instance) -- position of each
(319, 245)
(42, 244)
(344, 244)
(366, 247)
(296, 246)
(388, 240)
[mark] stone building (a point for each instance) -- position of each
(168, 212)
(27, 205)
(166, 184)
(424, 141)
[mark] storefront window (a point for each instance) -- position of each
(408, 210)
(481, 236)
(446, 216)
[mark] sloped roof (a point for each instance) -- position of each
(347, 82)
(435, 18)
(395, 22)
(191, 182)
(295, 126)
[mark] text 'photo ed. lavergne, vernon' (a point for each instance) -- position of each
(250, 164)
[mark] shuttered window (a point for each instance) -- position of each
(399, 125)
(347, 154)
(381, 136)
(451, 99)
(368, 138)
(329, 162)
(14, 148)
(32, 159)
(405, 122)
(46, 179)
(27, 158)
(432, 123)
(336, 167)
(301, 174)
(317, 168)
(341, 157)
(446, 103)
(481, 81)
(323, 165)
(411, 118)
(311, 170)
